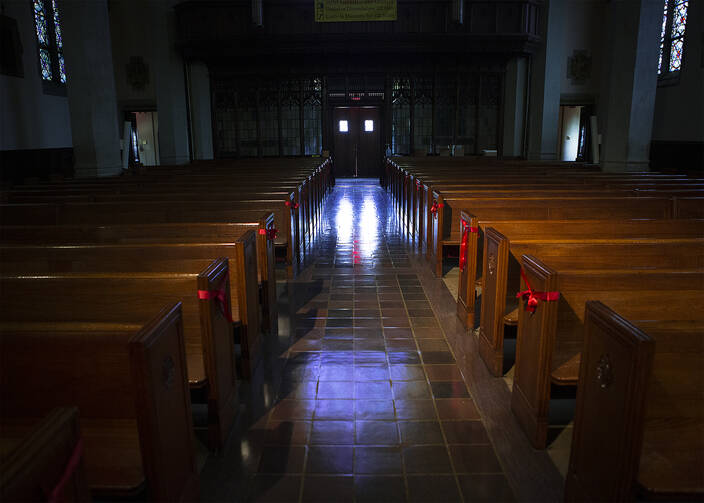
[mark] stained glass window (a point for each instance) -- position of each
(49, 41)
(674, 22)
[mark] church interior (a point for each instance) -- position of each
(351, 250)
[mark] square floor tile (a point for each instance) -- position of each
(377, 460)
(336, 373)
(465, 432)
(369, 345)
(456, 408)
(332, 432)
(371, 373)
(368, 488)
(420, 432)
(397, 333)
(415, 409)
(426, 459)
(327, 459)
(486, 488)
(455, 389)
(474, 459)
(433, 489)
(443, 372)
(374, 409)
(437, 357)
(297, 389)
(334, 409)
(376, 433)
(401, 345)
(373, 389)
(433, 345)
(338, 345)
(335, 389)
(406, 373)
(404, 357)
(410, 390)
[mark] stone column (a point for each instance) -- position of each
(629, 82)
(201, 118)
(90, 85)
(548, 65)
(514, 107)
(170, 85)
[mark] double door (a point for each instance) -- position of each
(357, 148)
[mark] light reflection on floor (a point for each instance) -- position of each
(359, 397)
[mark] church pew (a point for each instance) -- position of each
(43, 460)
(157, 213)
(175, 257)
(501, 272)
(130, 386)
(639, 424)
(554, 229)
(550, 340)
(55, 238)
(132, 298)
(447, 215)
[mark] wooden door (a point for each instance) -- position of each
(357, 146)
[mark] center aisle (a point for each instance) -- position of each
(360, 397)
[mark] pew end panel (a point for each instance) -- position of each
(219, 351)
(266, 263)
(536, 339)
(609, 423)
(466, 293)
(438, 215)
(34, 468)
(163, 407)
(494, 280)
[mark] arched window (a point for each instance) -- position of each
(50, 45)
(674, 21)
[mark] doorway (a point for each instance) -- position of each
(357, 145)
(143, 145)
(574, 133)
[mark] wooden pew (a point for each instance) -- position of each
(132, 298)
(501, 272)
(130, 385)
(154, 257)
(446, 220)
(42, 461)
(157, 213)
(639, 426)
(554, 229)
(550, 339)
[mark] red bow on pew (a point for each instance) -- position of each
(466, 229)
(270, 232)
(57, 494)
(532, 297)
(294, 207)
(435, 207)
(219, 296)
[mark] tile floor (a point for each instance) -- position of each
(359, 398)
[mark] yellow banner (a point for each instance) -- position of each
(327, 11)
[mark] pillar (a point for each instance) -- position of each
(548, 65)
(514, 107)
(201, 118)
(170, 85)
(90, 87)
(629, 82)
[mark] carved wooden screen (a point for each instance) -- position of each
(423, 113)
(445, 107)
(312, 116)
(269, 118)
(290, 117)
(467, 112)
(401, 116)
(490, 85)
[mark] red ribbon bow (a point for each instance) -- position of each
(435, 207)
(57, 494)
(466, 229)
(270, 232)
(532, 297)
(294, 207)
(219, 296)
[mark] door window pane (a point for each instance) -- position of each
(369, 125)
(343, 127)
